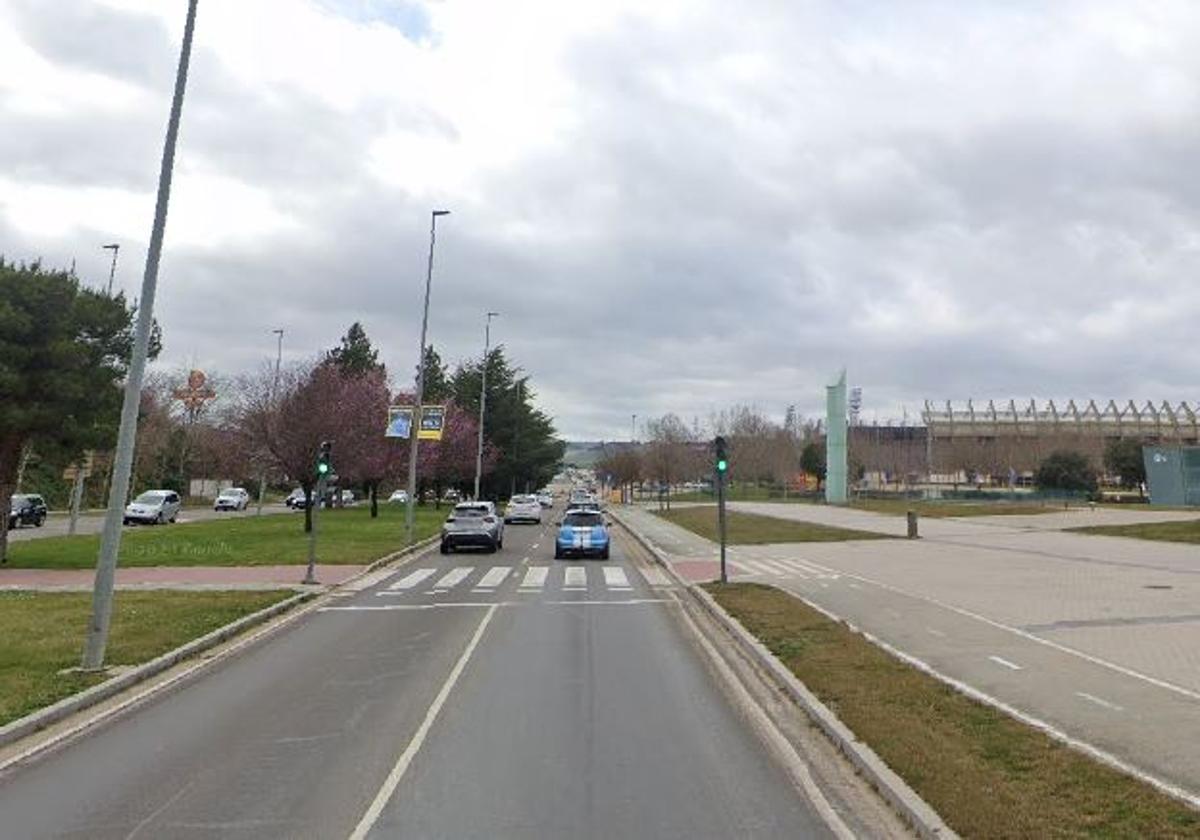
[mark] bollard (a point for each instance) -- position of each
(912, 525)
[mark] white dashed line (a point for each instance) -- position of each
(1099, 701)
(933, 632)
(1010, 665)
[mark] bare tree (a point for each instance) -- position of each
(670, 456)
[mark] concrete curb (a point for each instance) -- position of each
(50, 715)
(891, 787)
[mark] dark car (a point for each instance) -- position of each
(26, 509)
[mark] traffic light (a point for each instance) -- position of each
(324, 465)
(722, 454)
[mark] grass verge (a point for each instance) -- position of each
(754, 529)
(941, 510)
(43, 634)
(347, 536)
(1186, 531)
(986, 774)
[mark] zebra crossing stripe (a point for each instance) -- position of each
(493, 577)
(535, 577)
(411, 580)
(614, 578)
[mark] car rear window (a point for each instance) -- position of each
(583, 520)
(470, 510)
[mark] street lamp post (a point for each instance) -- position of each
(415, 427)
(487, 343)
(633, 429)
(112, 270)
(262, 476)
(110, 542)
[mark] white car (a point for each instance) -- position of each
(398, 497)
(523, 509)
(153, 507)
(232, 498)
(545, 499)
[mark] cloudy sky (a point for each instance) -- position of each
(676, 205)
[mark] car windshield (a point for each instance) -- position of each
(523, 500)
(583, 520)
(151, 498)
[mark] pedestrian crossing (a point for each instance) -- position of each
(782, 567)
(532, 579)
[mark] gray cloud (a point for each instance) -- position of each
(935, 200)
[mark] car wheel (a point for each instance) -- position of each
(491, 549)
(443, 548)
(172, 519)
(159, 520)
(604, 554)
(558, 555)
(40, 521)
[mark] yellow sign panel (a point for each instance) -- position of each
(433, 421)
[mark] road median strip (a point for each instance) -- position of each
(930, 749)
(758, 529)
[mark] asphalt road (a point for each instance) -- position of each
(561, 700)
(93, 523)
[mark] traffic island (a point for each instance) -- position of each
(985, 773)
(756, 529)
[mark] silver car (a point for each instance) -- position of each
(473, 524)
(232, 498)
(154, 507)
(523, 509)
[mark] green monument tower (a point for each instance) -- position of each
(835, 441)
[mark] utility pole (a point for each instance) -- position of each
(633, 429)
(110, 544)
(487, 339)
(517, 436)
(414, 431)
(262, 476)
(112, 271)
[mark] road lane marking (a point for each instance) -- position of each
(576, 579)
(493, 578)
(397, 773)
(1099, 701)
(409, 581)
(1012, 666)
(453, 578)
(1017, 631)
(535, 577)
(614, 578)
(535, 545)
(933, 632)
(610, 602)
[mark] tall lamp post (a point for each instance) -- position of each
(415, 427)
(112, 269)
(262, 476)
(110, 542)
(487, 343)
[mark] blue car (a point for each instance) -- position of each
(580, 534)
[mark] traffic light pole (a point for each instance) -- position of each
(721, 521)
(311, 576)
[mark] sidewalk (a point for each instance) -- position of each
(175, 577)
(1097, 638)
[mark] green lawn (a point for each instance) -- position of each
(940, 509)
(986, 774)
(753, 529)
(1187, 531)
(347, 536)
(43, 634)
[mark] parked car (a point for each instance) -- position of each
(523, 509)
(582, 533)
(452, 495)
(26, 509)
(473, 524)
(348, 498)
(232, 498)
(295, 499)
(153, 507)
(398, 497)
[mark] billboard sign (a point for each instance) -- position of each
(433, 421)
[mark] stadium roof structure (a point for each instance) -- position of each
(1150, 420)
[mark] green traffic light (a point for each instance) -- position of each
(322, 468)
(722, 465)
